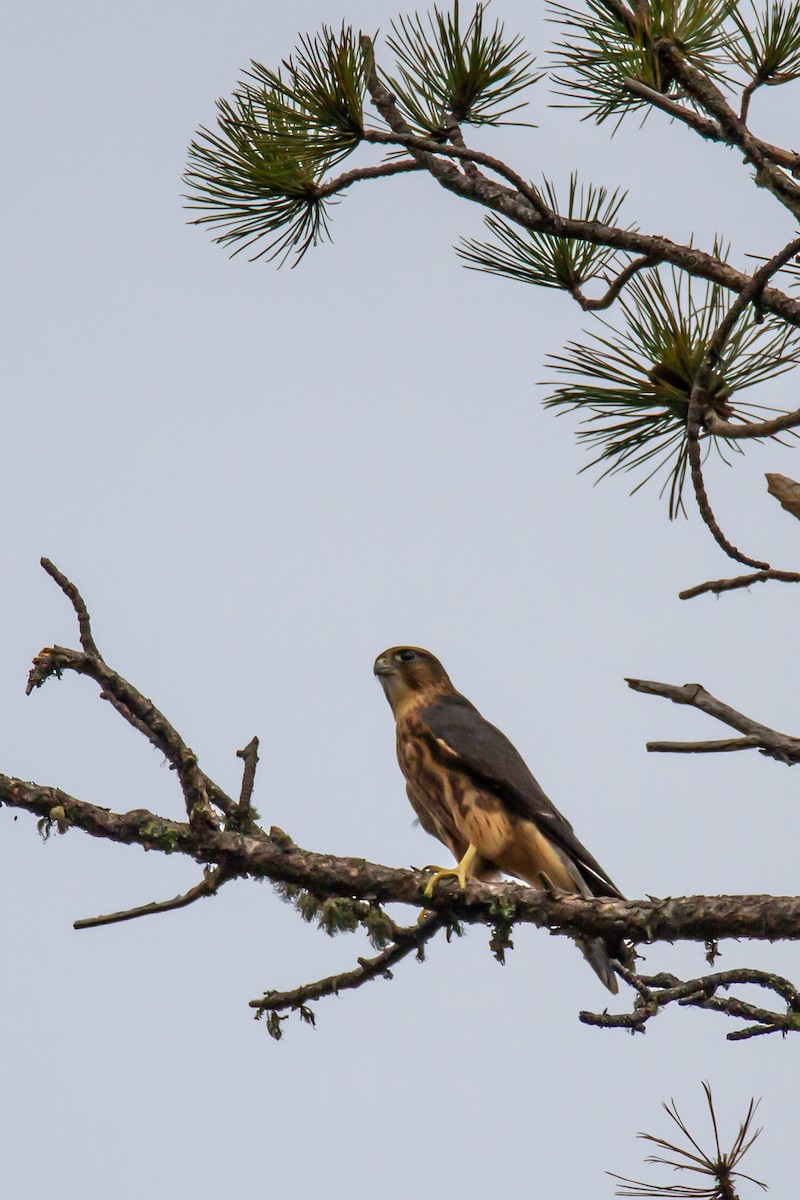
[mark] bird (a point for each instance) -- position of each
(471, 789)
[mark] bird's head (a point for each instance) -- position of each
(406, 672)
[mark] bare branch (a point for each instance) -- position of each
(453, 131)
(780, 746)
(359, 174)
(726, 745)
(208, 886)
(711, 130)
(693, 422)
(740, 581)
(656, 992)
(135, 708)
(250, 757)
(759, 429)
(406, 940)
(615, 287)
(786, 491)
(688, 116)
(76, 600)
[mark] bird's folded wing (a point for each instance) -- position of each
(458, 728)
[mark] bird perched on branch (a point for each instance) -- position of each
(471, 789)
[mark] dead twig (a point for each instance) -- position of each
(405, 941)
(244, 810)
(739, 581)
(198, 790)
(209, 885)
(656, 992)
(780, 746)
(723, 746)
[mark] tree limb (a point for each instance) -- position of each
(359, 174)
(615, 287)
(725, 745)
(406, 940)
(275, 857)
(136, 709)
(758, 429)
(348, 893)
(658, 991)
(735, 132)
(700, 401)
(780, 746)
(209, 885)
(740, 581)
(523, 205)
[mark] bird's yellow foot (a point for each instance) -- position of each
(459, 872)
(446, 873)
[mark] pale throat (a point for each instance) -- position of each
(400, 696)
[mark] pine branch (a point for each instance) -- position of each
(701, 400)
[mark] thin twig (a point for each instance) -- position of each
(250, 757)
(404, 136)
(701, 125)
(699, 401)
(76, 600)
(747, 95)
(208, 886)
(740, 581)
(381, 171)
(656, 992)
(709, 129)
(615, 287)
(733, 431)
(406, 941)
(725, 745)
(453, 131)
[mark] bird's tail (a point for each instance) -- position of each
(597, 954)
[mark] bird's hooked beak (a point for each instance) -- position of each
(383, 666)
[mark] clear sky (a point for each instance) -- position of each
(260, 479)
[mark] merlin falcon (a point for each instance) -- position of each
(471, 789)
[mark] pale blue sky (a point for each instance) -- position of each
(260, 479)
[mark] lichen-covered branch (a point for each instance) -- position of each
(276, 857)
(405, 941)
(656, 992)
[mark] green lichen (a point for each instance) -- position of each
(379, 927)
(159, 835)
(338, 915)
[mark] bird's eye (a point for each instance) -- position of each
(405, 656)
